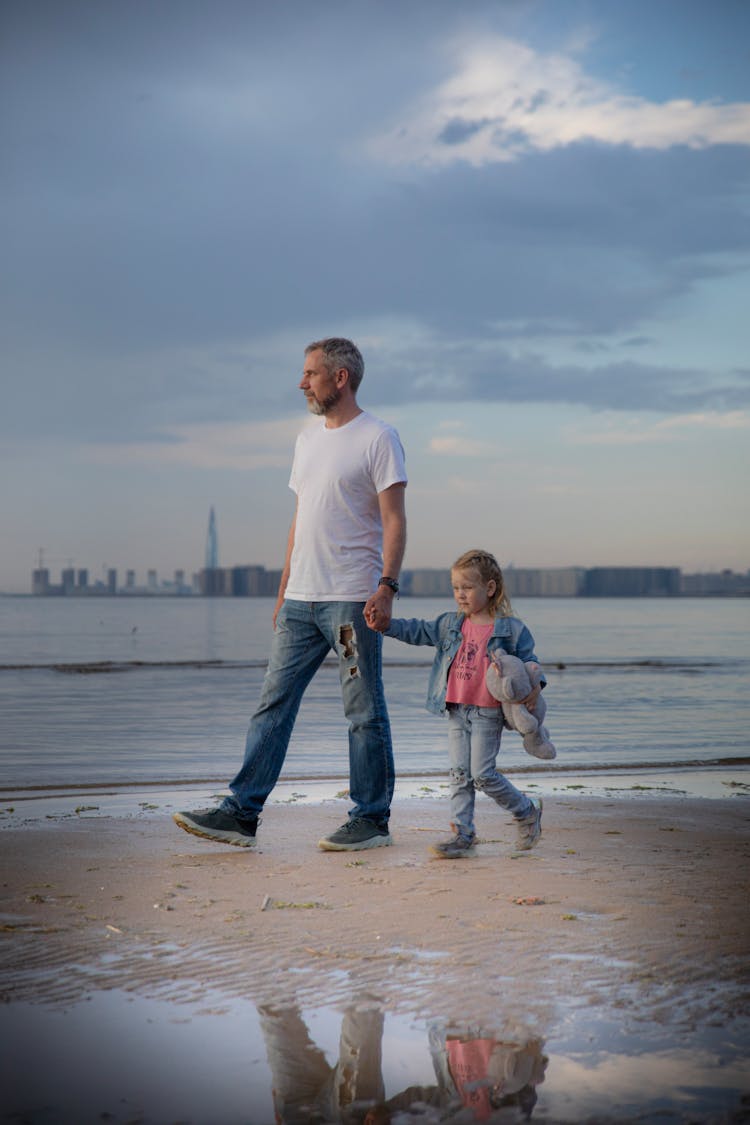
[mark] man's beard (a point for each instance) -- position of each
(316, 407)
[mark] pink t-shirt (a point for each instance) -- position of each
(466, 674)
(468, 1064)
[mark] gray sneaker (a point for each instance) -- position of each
(458, 847)
(357, 834)
(215, 824)
(530, 827)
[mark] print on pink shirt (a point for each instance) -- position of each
(466, 667)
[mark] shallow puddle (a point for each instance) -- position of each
(118, 1057)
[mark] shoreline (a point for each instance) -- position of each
(547, 768)
(723, 778)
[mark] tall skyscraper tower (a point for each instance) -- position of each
(212, 542)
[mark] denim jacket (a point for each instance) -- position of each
(509, 635)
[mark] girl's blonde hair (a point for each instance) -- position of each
(488, 569)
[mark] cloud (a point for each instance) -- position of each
(240, 446)
(613, 431)
(506, 99)
(454, 446)
(734, 420)
(178, 230)
(488, 372)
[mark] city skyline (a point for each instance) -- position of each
(233, 578)
(253, 580)
(530, 216)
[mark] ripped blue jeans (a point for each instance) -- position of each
(473, 745)
(305, 633)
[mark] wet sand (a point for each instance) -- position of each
(635, 909)
(644, 902)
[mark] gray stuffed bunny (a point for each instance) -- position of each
(508, 679)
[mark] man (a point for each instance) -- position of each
(343, 559)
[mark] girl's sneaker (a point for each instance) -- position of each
(458, 847)
(530, 827)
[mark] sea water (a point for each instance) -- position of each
(159, 690)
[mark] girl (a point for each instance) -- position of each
(465, 642)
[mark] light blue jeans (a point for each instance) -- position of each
(305, 633)
(473, 745)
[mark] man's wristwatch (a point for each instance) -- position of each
(385, 581)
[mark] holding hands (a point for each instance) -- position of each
(378, 609)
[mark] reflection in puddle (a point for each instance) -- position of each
(121, 1058)
(471, 1069)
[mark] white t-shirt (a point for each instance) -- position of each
(337, 475)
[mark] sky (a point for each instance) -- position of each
(532, 216)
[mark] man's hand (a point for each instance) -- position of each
(378, 609)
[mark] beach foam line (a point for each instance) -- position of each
(404, 776)
(150, 798)
(91, 667)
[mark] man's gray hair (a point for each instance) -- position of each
(339, 352)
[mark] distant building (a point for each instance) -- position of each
(719, 584)
(557, 582)
(129, 579)
(254, 581)
(534, 582)
(521, 582)
(215, 582)
(631, 582)
(83, 579)
(238, 582)
(212, 542)
(248, 581)
(68, 580)
(40, 582)
(111, 581)
(426, 582)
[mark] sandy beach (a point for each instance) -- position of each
(635, 908)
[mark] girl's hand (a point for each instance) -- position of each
(371, 618)
(530, 701)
